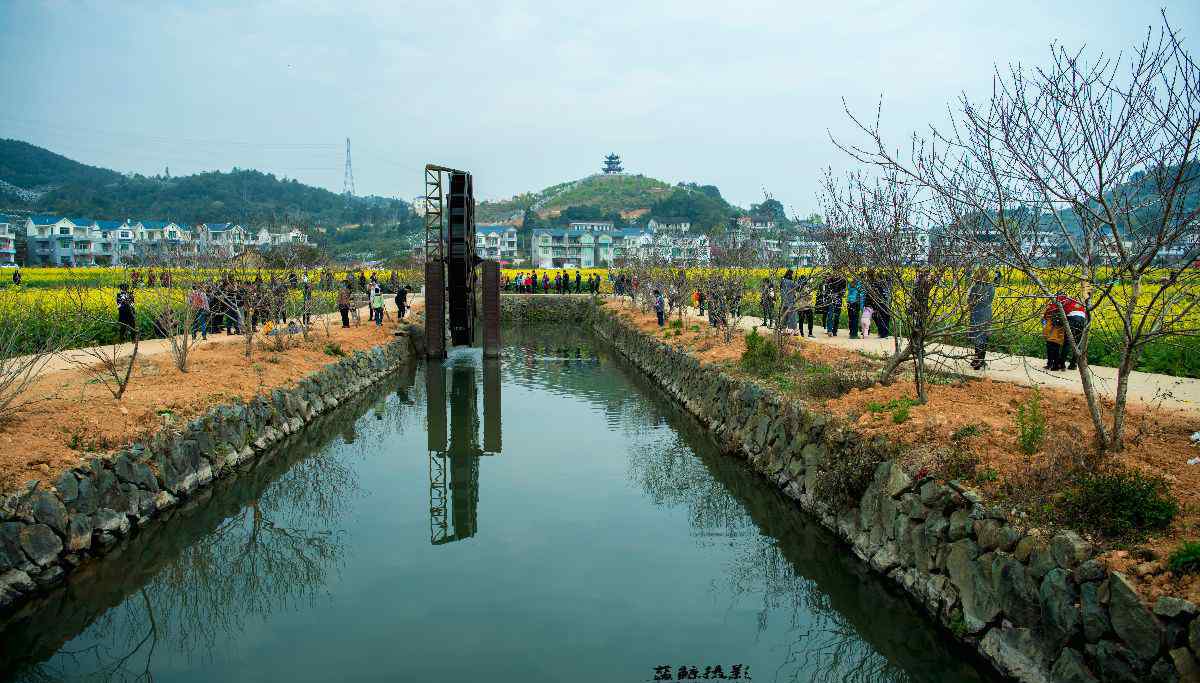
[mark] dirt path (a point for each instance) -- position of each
(70, 359)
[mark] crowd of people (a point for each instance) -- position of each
(798, 303)
(561, 283)
(234, 305)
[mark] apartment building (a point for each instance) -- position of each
(497, 242)
(77, 242)
(8, 244)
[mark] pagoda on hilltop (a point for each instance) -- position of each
(612, 164)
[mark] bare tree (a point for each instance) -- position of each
(725, 284)
(23, 354)
(1082, 176)
(109, 364)
(911, 260)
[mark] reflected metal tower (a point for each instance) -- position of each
(454, 463)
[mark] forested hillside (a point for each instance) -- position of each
(617, 198)
(37, 179)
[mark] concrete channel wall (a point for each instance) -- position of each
(50, 528)
(1037, 608)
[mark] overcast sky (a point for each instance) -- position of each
(742, 94)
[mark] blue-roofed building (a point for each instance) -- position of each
(57, 241)
(118, 244)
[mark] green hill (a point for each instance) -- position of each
(611, 196)
(36, 179)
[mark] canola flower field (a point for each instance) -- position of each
(45, 304)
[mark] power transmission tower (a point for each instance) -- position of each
(348, 183)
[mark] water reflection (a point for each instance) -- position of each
(454, 467)
(842, 623)
(266, 541)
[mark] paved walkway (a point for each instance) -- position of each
(1149, 388)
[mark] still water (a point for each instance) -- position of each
(547, 518)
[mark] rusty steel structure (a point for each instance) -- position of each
(452, 285)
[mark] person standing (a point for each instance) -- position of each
(126, 319)
(545, 283)
(659, 307)
(787, 301)
(767, 300)
(1054, 332)
(198, 301)
(1076, 319)
(577, 280)
(343, 302)
(880, 290)
(16, 277)
(805, 300)
(377, 304)
(854, 305)
(306, 301)
(402, 301)
(979, 299)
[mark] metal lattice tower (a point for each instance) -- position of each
(348, 183)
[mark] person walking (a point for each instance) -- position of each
(545, 283)
(343, 303)
(767, 301)
(659, 307)
(577, 280)
(979, 299)
(198, 301)
(126, 319)
(854, 306)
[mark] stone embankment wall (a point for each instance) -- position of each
(1038, 608)
(557, 309)
(50, 528)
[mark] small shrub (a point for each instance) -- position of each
(957, 463)
(1031, 424)
(967, 431)
(695, 328)
(1186, 558)
(677, 324)
(334, 349)
(843, 478)
(876, 407)
(822, 381)
(987, 476)
(900, 414)
(1120, 503)
(760, 357)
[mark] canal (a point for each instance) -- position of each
(548, 518)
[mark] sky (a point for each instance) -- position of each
(523, 94)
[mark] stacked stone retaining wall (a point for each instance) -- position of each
(1037, 608)
(51, 527)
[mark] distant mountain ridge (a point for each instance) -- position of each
(36, 179)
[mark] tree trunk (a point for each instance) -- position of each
(919, 369)
(1116, 440)
(887, 374)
